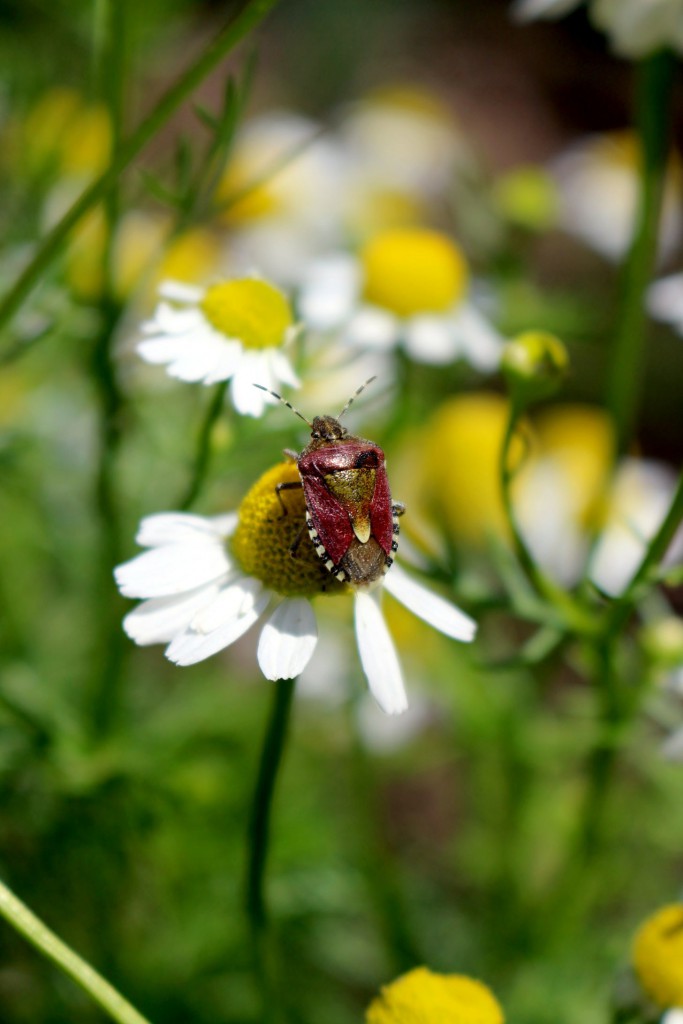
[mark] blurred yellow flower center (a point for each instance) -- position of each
(265, 535)
(252, 311)
(658, 956)
(413, 270)
(421, 997)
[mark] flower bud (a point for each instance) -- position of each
(534, 364)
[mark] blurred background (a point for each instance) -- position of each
(447, 836)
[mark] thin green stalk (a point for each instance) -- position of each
(203, 452)
(571, 616)
(654, 92)
(46, 942)
(251, 15)
(259, 832)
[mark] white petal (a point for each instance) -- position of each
(330, 292)
(421, 601)
(673, 1016)
(281, 368)
(373, 328)
(192, 646)
(672, 749)
(178, 291)
(159, 620)
(481, 343)
(288, 639)
(378, 655)
(665, 300)
(172, 569)
(180, 527)
(527, 10)
(235, 598)
(429, 339)
(169, 319)
(248, 400)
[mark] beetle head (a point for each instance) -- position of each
(327, 428)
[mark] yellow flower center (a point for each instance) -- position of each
(413, 270)
(274, 546)
(252, 311)
(421, 997)
(658, 956)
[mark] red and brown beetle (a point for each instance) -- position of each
(350, 516)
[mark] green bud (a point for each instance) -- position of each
(527, 198)
(534, 363)
(662, 642)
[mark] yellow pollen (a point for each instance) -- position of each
(413, 270)
(422, 997)
(658, 955)
(264, 537)
(250, 310)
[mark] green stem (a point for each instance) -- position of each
(259, 831)
(203, 453)
(251, 15)
(47, 943)
(654, 91)
(621, 609)
(571, 616)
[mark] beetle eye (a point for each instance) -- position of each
(315, 434)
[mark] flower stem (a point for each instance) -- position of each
(45, 940)
(259, 828)
(203, 453)
(250, 16)
(654, 91)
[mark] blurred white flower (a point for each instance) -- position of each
(198, 598)
(236, 330)
(408, 286)
(634, 27)
(577, 517)
(597, 181)
(282, 194)
(665, 301)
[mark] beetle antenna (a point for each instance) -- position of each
(355, 395)
(288, 404)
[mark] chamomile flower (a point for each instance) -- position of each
(423, 997)
(658, 956)
(597, 180)
(408, 285)
(204, 582)
(235, 330)
(634, 27)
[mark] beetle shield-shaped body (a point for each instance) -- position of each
(349, 513)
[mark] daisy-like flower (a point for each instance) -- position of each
(597, 180)
(424, 997)
(206, 581)
(665, 301)
(236, 330)
(408, 285)
(658, 956)
(634, 27)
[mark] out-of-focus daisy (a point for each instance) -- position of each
(236, 330)
(408, 285)
(658, 956)
(634, 27)
(63, 136)
(281, 195)
(424, 997)
(204, 583)
(665, 301)
(597, 182)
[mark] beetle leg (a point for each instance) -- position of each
(294, 546)
(398, 508)
(290, 454)
(288, 485)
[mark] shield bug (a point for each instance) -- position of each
(350, 517)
